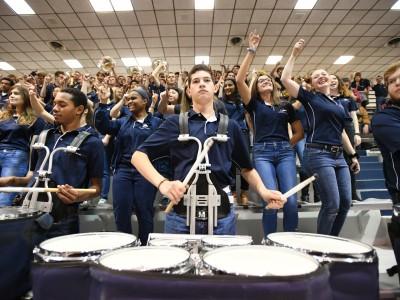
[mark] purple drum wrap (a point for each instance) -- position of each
(353, 281)
(17, 240)
(110, 284)
(61, 281)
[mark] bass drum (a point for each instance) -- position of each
(19, 233)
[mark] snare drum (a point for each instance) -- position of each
(19, 233)
(353, 265)
(64, 262)
(176, 242)
(213, 241)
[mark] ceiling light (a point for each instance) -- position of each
(396, 5)
(202, 60)
(344, 59)
(143, 61)
(122, 5)
(273, 59)
(20, 7)
(204, 4)
(73, 63)
(305, 4)
(5, 66)
(101, 5)
(129, 61)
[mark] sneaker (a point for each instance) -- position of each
(102, 201)
(84, 205)
(244, 199)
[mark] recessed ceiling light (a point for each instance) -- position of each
(5, 66)
(273, 59)
(202, 60)
(305, 4)
(204, 4)
(396, 5)
(122, 5)
(73, 63)
(143, 61)
(129, 61)
(101, 5)
(344, 59)
(20, 7)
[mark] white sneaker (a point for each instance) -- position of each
(102, 201)
(85, 205)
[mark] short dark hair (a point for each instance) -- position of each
(58, 73)
(78, 97)
(9, 80)
(200, 67)
(279, 68)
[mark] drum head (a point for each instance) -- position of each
(321, 245)
(180, 243)
(85, 244)
(215, 241)
(260, 261)
(144, 259)
(17, 212)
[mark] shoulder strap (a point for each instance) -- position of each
(184, 123)
(43, 136)
(223, 124)
(78, 140)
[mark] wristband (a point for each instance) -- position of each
(355, 154)
(161, 182)
(252, 50)
(357, 133)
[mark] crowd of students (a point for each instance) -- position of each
(319, 114)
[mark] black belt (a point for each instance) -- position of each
(330, 148)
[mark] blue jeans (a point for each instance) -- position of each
(132, 191)
(333, 185)
(177, 224)
(274, 161)
(299, 150)
(379, 102)
(12, 163)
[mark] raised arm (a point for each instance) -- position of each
(114, 112)
(286, 78)
(273, 71)
(244, 90)
(38, 107)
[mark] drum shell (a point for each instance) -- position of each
(114, 284)
(352, 276)
(218, 241)
(179, 243)
(53, 271)
(18, 236)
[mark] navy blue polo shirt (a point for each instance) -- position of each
(3, 100)
(348, 104)
(130, 133)
(73, 169)
(164, 142)
(380, 90)
(49, 92)
(386, 127)
(14, 136)
(270, 122)
(325, 117)
(236, 112)
(301, 115)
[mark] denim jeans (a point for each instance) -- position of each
(132, 191)
(105, 182)
(299, 150)
(379, 102)
(177, 224)
(333, 185)
(275, 160)
(12, 163)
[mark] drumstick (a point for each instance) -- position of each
(11, 189)
(298, 187)
(196, 164)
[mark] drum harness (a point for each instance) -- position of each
(43, 178)
(212, 200)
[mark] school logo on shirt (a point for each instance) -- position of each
(282, 111)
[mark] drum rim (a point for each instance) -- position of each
(73, 256)
(25, 212)
(207, 245)
(327, 257)
(260, 247)
(184, 242)
(180, 268)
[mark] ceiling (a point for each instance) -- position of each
(175, 31)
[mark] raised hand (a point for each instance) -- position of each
(298, 47)
(254, 40)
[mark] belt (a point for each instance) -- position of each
(330, 148)
(71, 209)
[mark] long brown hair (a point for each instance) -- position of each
(28, 115)
(274, 94)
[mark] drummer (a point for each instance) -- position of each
(69, 171)
(203, 122)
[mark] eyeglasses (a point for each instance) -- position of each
(262, 80)
(393, 80)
